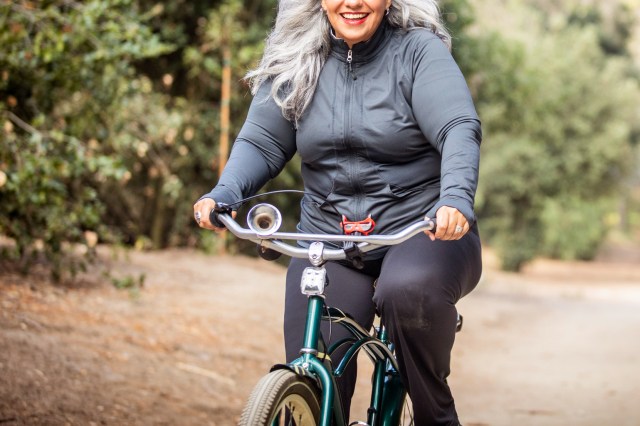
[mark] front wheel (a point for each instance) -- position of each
(282, 398)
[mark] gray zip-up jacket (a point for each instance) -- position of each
(391, 132)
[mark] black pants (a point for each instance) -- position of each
(419, 283)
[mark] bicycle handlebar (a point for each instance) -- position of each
(274, 241)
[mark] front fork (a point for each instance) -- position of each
(388, 393)
(317, 366)
(313, 282)
(313, 362)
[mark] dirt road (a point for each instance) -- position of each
(556, 345)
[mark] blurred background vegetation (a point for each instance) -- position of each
(111, 115)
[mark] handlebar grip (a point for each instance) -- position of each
(432, 224)
(220, 208)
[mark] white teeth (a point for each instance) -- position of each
(354, 15)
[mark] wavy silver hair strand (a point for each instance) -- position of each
(299, 43)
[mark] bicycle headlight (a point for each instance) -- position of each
(264, 219)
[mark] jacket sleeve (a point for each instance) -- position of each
(266, 142)
(446, 115)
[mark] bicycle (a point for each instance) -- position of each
(304, 392)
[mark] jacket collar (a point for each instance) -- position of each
(365, 50)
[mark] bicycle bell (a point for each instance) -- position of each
(264, 219)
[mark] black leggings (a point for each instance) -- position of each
(419, 283)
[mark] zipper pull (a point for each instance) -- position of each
(349, 59)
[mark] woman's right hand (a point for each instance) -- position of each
(201, 211)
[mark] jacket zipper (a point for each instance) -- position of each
(349, 59)
(353, 169)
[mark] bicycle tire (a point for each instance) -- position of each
(281, 395)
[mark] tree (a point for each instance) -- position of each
(66, 72)
(556, 149)
(110, 115)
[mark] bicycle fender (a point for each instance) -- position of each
(296, 369)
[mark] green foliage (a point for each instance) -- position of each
(110, 119)
(66, 69)
(558, 116)
(574, 227)
(133, 284)
(44, 199)
(457, 15)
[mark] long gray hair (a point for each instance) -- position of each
(299, 43)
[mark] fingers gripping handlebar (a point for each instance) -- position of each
(220, 208)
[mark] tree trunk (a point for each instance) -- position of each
(225, 101)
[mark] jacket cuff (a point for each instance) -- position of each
(221, 194)
(461, 205)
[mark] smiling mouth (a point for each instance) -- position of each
(354, 16)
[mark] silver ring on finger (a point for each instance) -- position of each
(459, 229)
(198, 217)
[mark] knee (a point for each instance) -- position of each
(413, 296)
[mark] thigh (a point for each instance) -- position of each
(420, 282)
(449, 269)
(349, 290)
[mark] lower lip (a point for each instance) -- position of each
(354, 21)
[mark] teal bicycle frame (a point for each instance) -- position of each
(387, 394)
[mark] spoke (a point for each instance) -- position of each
(291, 414)
(407, 414)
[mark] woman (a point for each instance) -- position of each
(367, 93)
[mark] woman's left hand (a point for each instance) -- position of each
(450, 225)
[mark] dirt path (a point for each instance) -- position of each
(557, 345)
